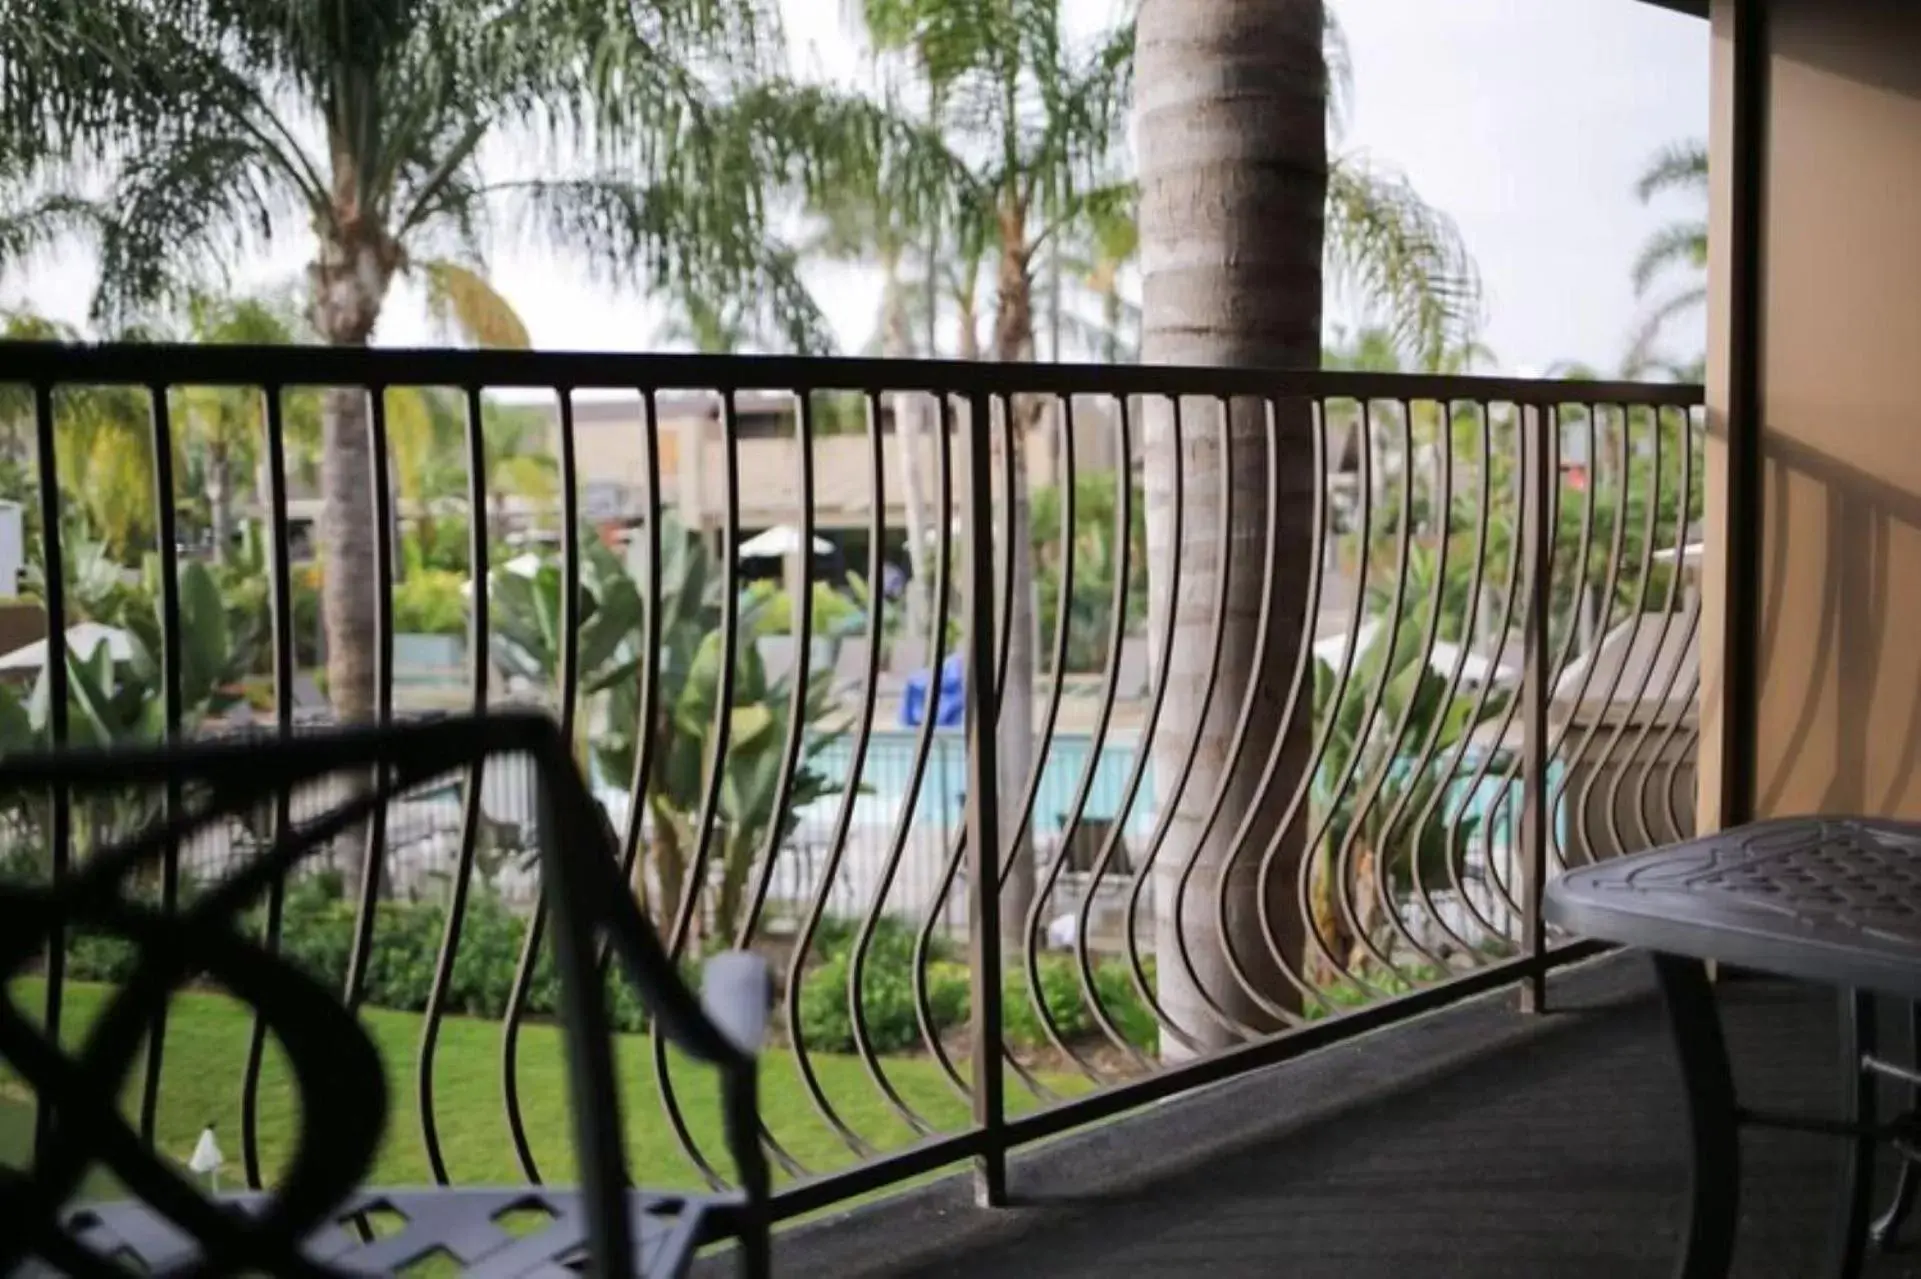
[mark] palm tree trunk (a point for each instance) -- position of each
(1014, 342)
(1233, 162)
(349, 282)
(897, 342)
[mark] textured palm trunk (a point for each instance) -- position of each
(1233, 159)
(897, 342)
(349, 283)
(1014, 342)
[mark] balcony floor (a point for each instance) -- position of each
(1552, 1149)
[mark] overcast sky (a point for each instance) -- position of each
(1526, 120)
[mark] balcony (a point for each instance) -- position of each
(1432, 639)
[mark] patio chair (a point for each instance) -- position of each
(318, 1217)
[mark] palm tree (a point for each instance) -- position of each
(229, 123)
(1682, 245)
(1234, 252)
(1022, 133)
(222, 426)
(871, 225)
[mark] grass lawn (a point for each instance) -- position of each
(206, 1048)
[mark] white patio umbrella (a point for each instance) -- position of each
(527, 566)
(779, 542)
(84, 639)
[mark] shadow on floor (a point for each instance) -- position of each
(1561, 1158)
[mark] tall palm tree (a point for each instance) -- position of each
(863, 225)
(1681, 245)
(1023, 131)
(229, 123)
(1244, 212)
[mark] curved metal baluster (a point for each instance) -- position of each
(957, 845)
(1424, 757)
(1670, 609)
(1302, 678)
(172, 707)
(1437, 801)
(650, 640)
(281, 576)
(1634, 705)
(1130, 792)
(856, 763)
(1551, 433)
(910, 800)
(802, 617)
(1012, 474)
(1298, 803)
(1224, 574)
(1690, 639)
(1063, 619)
(479, 637)
(59, 800)
(523, 976)
(1341, 857)
(1617, 549)
(1170, 802)
(530, 943)
(694, 886)
(375, 857)
(1505, 720)
(1687, 753)
(1097, 743)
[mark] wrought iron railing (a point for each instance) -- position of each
(1431, 639)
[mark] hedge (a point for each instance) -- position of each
(317, 935)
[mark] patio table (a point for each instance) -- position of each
(1829, 900)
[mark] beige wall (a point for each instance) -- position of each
(1840, 403)
(609, 448)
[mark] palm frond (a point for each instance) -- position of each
(1678, 244)
(461, 302)
(36, 225)
(1680, 166)
(1401, 258)
(182, 214)
(1641, 349)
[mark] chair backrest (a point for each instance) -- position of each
(318, 1211)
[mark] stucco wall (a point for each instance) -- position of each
(1839, 376)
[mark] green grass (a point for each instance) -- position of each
(206, 1047)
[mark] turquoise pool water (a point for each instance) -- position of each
(889, 766)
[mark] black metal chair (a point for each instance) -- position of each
(315, 1220)
(1833, 901)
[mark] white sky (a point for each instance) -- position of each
(1526, 120)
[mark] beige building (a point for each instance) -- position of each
(1811, 693)
(612, 457)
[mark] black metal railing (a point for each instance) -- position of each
(1323, 676)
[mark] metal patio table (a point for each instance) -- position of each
(1834, 901)
(320, 1217)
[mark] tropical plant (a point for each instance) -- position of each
(682, 749)
(205, 115)
(223, 429)
(1096, 560)
(1680, 245)
(120, 701)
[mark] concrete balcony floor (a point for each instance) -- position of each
(1472, 1143)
